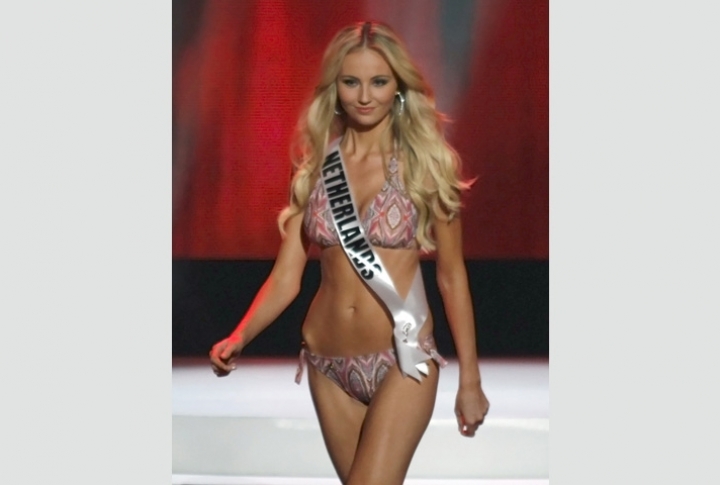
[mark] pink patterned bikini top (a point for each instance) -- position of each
(390, 221)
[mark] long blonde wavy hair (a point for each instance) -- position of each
(432, 167)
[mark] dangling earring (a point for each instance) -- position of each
(402, 103)
(337, 112)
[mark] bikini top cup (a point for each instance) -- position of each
(390, 221)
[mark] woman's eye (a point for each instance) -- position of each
(381, 82)
(349, 82)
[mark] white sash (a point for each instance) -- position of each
(409, 314)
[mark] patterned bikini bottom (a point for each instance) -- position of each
(360, 376)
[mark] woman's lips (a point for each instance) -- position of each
(364, 111)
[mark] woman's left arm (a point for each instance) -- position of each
(471, 405)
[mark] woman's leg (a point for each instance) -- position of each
(341, 418)
(395, 422)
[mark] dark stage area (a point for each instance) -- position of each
(510, 299)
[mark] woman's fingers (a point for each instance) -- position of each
(468, 426)
(220, 356)
(219, 372)
(226, 354)
(465, 428)
(460, 422)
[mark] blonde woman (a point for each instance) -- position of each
(375, 184)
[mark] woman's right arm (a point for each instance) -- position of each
(278, 291)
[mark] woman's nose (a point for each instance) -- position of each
(364, 97)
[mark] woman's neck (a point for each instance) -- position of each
(363, 143)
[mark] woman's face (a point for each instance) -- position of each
(366, 87)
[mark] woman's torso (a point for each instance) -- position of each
(345, 317)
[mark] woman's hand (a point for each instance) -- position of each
(471, 406)
(223, 354)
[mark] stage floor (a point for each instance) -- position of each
(257, 427)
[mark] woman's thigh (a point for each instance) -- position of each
(396, 420)
(341, 419)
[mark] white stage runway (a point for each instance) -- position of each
(257, 427)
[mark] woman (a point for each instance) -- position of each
(375, 184)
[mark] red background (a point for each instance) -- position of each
(242, 70)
